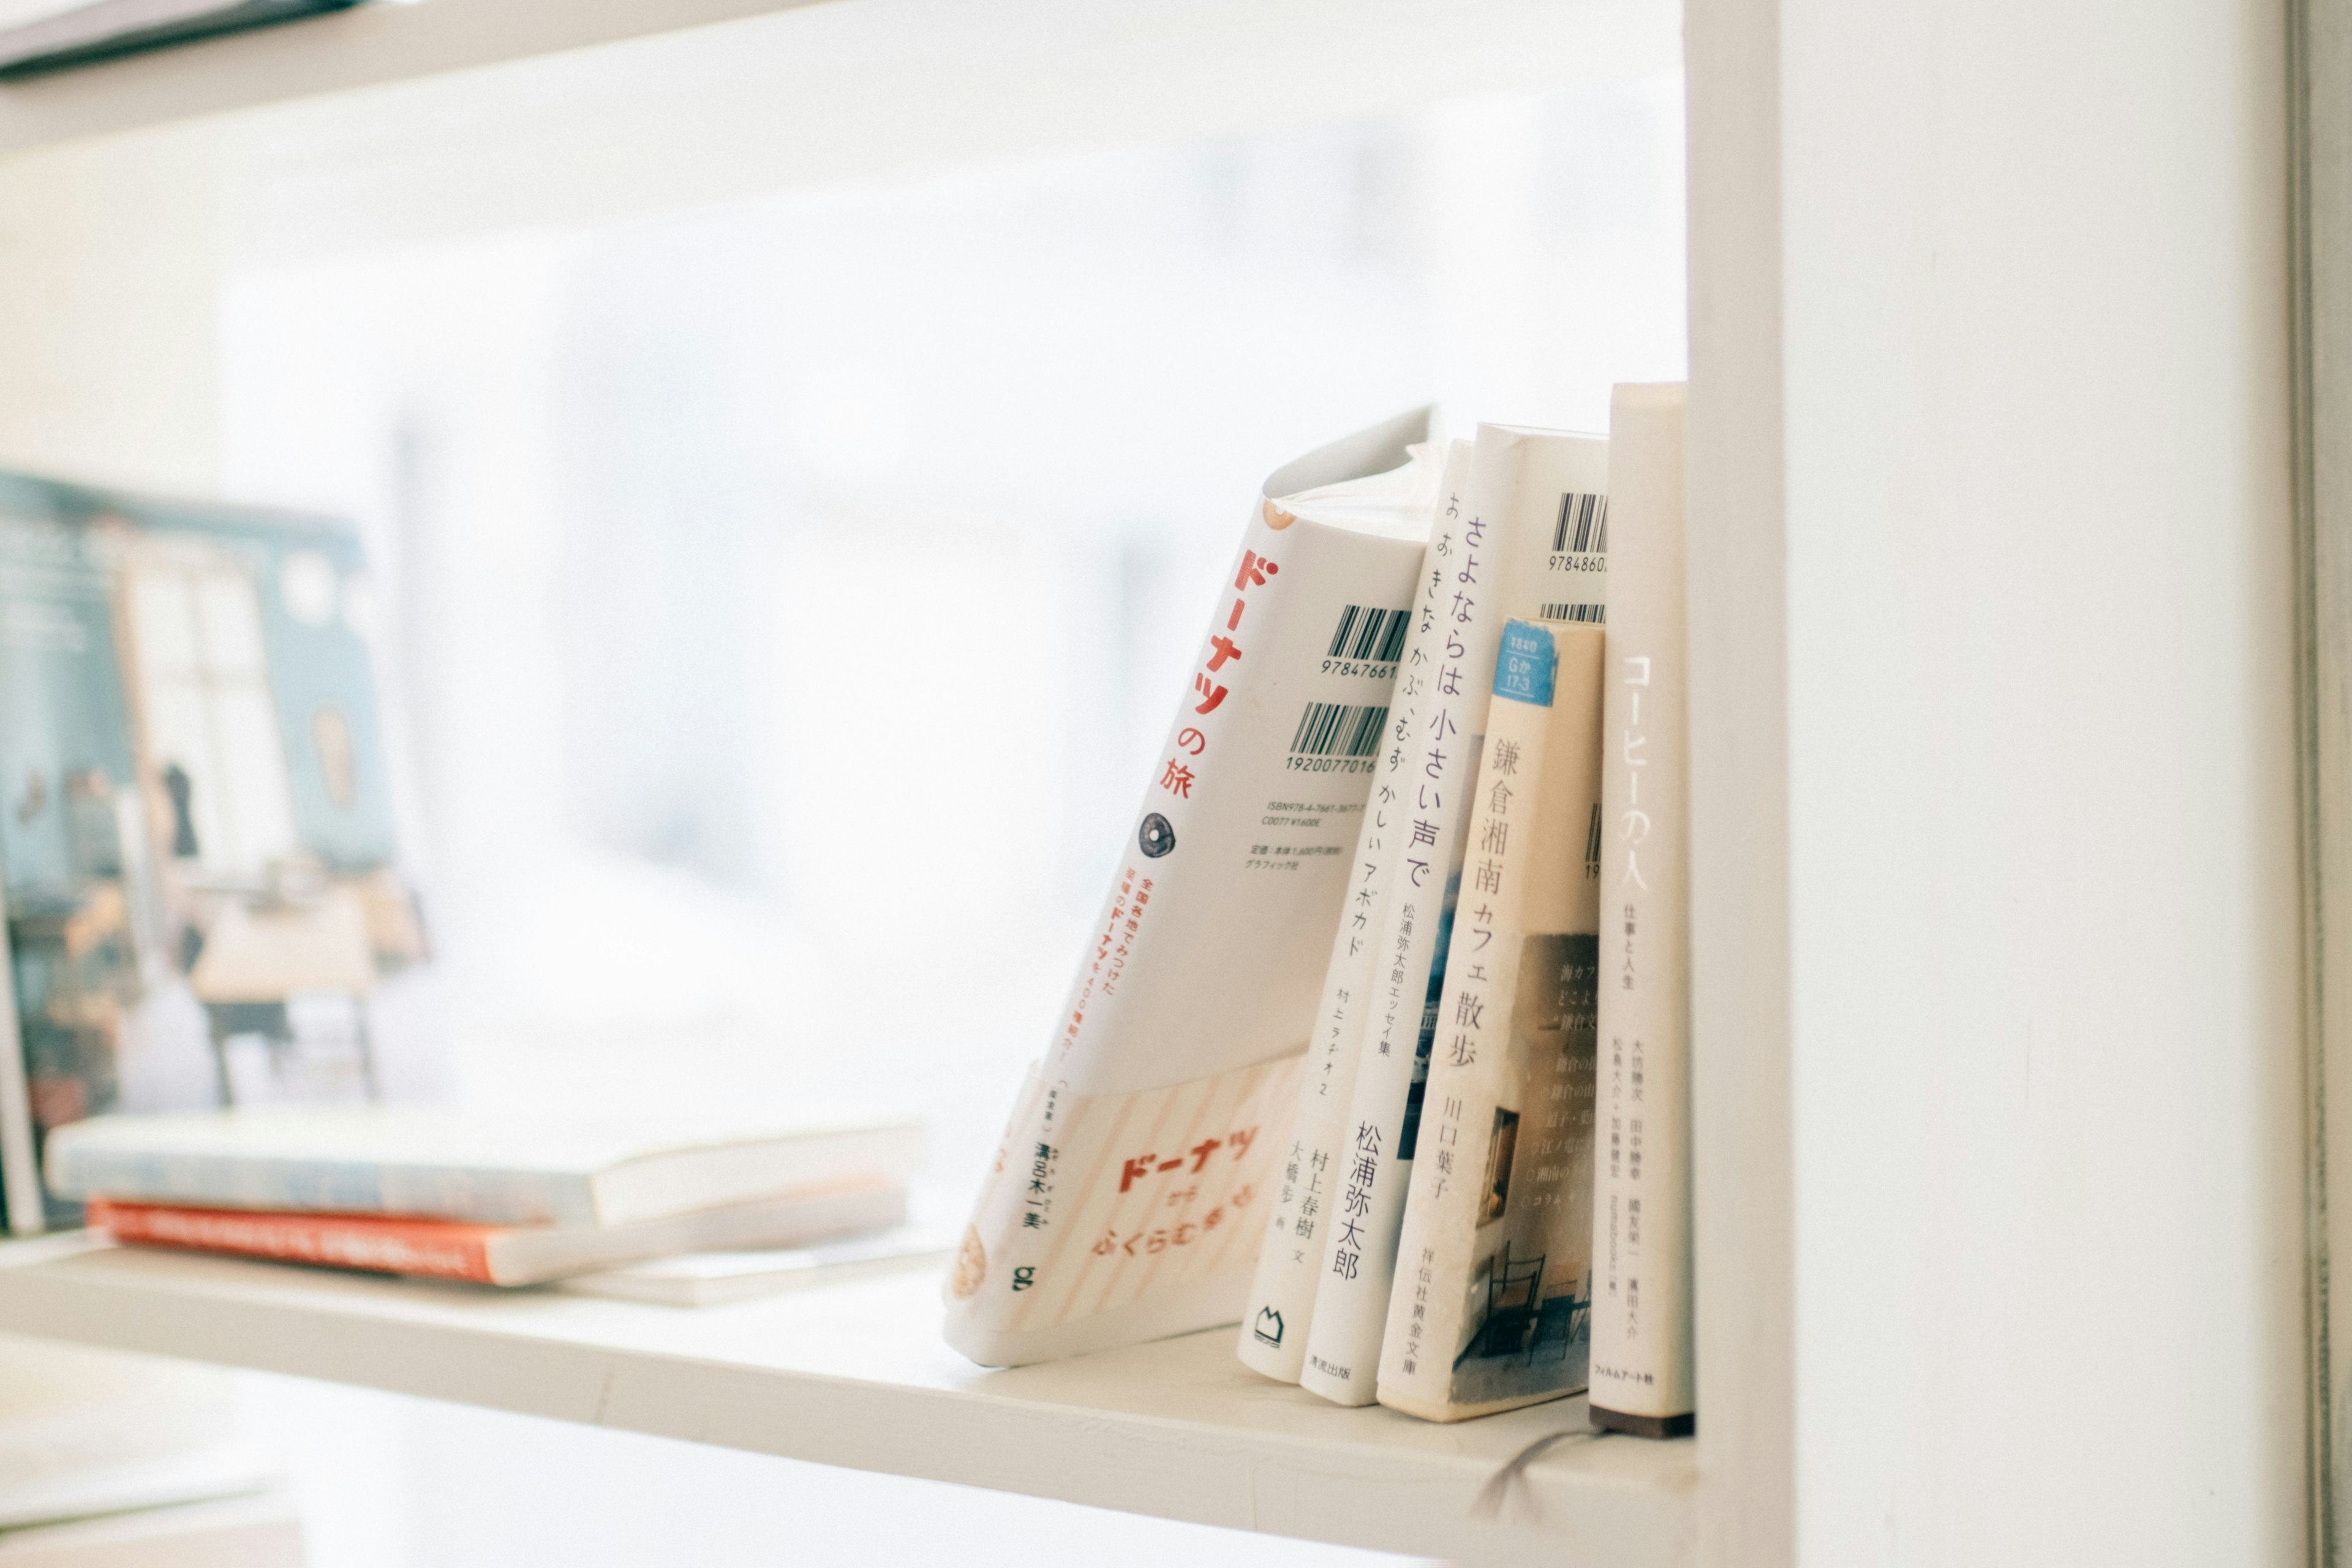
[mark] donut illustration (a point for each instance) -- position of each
(1158, 835)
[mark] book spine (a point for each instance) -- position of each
(1281, 1307)
(1643, 1373)
(20, 1182)
(1487, 1308)
(1529, 491)
(469, 1194)
(1134, 1195)
(341, 1241)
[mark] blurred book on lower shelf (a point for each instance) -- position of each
(125, 1462)
(261, 1529)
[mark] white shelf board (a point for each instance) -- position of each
(344, 132)
(855, 1374)
(368, 46)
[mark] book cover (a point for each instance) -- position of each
(1281, 1305)
(1130, 1195)
(1643, 1373)
(1536, 546)
(498, 1255)
(206, 896)
(1490, 1306)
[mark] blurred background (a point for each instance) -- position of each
(663, 510)
(667, 499)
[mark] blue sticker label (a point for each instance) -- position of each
(1526, 666)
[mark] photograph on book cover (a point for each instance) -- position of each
(206, 903)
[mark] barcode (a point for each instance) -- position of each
(1328, 728)
(1375, 635)
(1583, 524)
(1571, 612)
(1592, 844)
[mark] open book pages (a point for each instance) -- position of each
(1136, 1173)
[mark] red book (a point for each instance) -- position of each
(500, 1254)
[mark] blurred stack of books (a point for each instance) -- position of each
(128, 1462)
(499, 1200)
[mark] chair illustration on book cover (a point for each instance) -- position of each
(1519, 1321)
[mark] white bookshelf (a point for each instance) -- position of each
(855, 1374)
(369, 45)
(1996, 890)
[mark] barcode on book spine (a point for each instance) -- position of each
(1571, 612)
(1367, 634)
(1330, 729)
(1583, 524)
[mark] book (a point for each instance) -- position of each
(493, 1253)
(206, 896)
(41, 35)
(1280, 1308)
(1490, 1306)
(261, 1529)
(91, 1487)
(1643, 1378)
(716, 1279)
(441, 1164)
(1536, 539)
(1129, 1193)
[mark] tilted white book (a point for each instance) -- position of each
(1491, 1305)
(1643, 1375)
(1137, 1170)
(1536, 545)
(1281, 1303)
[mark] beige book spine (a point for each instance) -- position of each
(1492, 1290)
(1643, 1379)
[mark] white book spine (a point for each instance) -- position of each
(1643, 1375)
(1536, 530)
(1491, 1303)
(1281, 1307)
(1138, 1170)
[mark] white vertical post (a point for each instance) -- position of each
(1739, 799)
(2043, 911)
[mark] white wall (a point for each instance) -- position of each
(2042, 821)
(109, 263)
